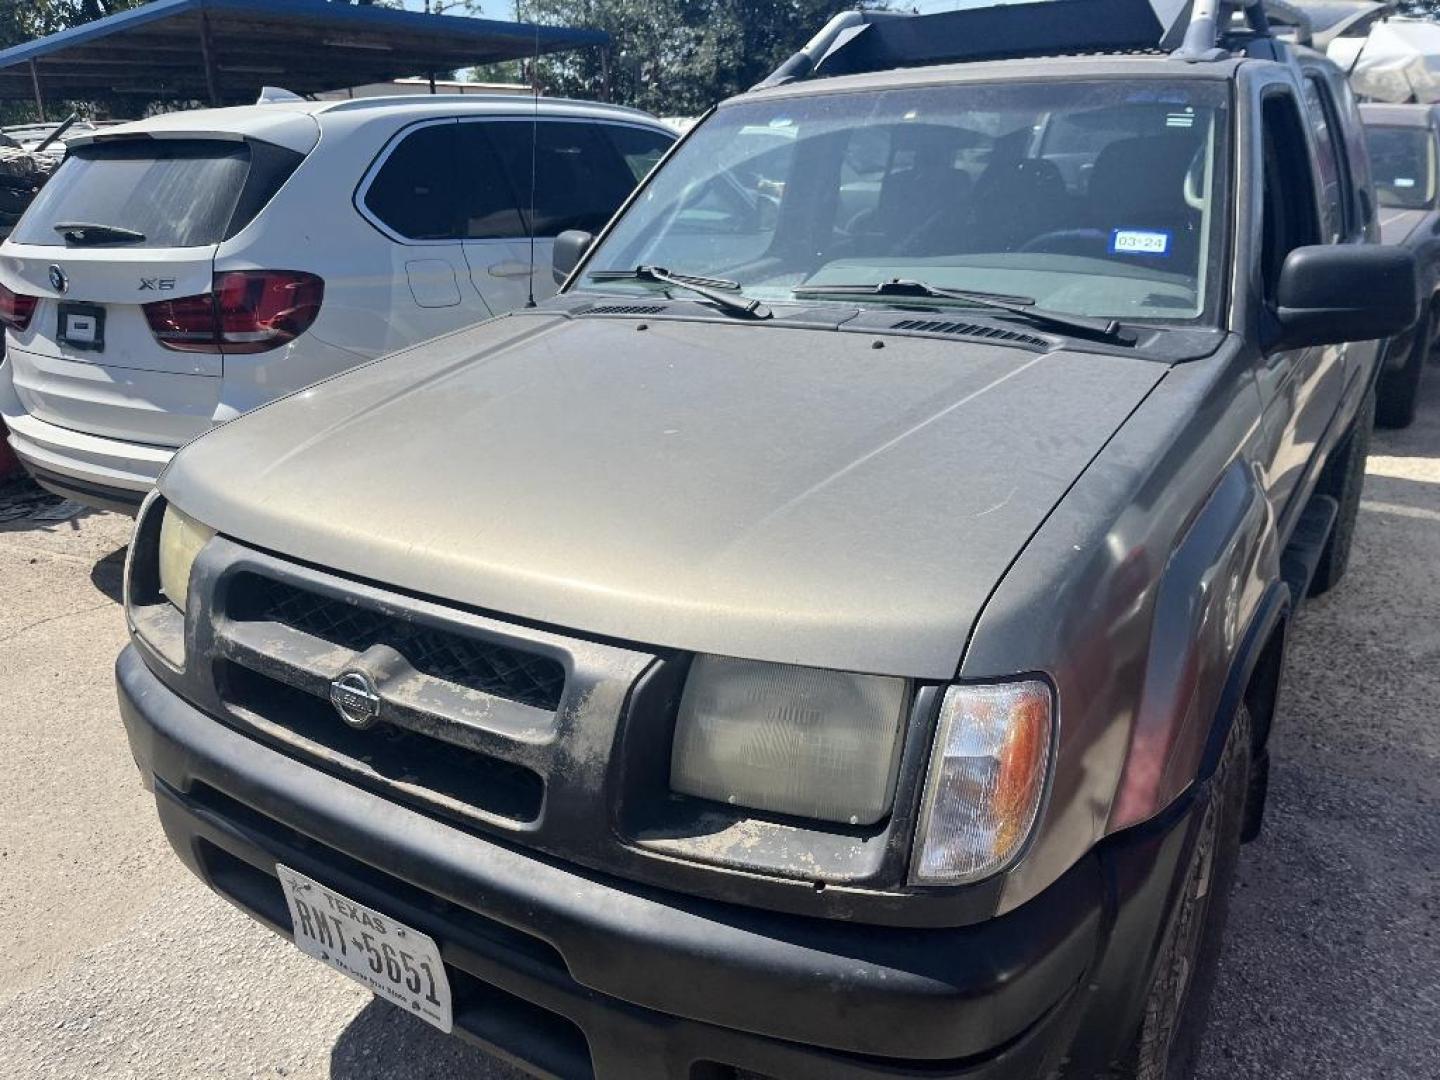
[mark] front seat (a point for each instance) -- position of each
(1136, 185)
(921, 209)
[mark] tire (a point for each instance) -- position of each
(1398, 391)
(1177, 1007)
(1344, 480)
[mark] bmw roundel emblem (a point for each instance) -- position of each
(59, 280)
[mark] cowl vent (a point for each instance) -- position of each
(625, 309)
(970, 330)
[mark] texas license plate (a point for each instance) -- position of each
(399, 964)
(82, 326)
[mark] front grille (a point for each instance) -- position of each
(428, 774)
(499, 670)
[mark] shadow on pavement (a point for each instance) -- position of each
(382, 1043)
(108, 575)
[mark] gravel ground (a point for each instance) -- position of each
(118, 964)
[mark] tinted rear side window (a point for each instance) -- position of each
(177, 192)
(418, 190)
(491, 203)
(580, 179)
(641, 148)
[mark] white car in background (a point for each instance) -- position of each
(181, 270)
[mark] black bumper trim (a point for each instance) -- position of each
(99, 496)
(656, 982)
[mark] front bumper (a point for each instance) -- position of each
(572, 974)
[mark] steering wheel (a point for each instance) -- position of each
(1068, 242)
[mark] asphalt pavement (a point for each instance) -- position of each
(116, 963)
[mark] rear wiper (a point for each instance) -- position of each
(708, 287)
(1024, 306)
(83, 233)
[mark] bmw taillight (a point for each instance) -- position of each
(16, 309)
(246, 311)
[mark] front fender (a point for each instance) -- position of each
(1080, 602)
(1214, 586)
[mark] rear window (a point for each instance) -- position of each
(177, 193)
(1402, 160)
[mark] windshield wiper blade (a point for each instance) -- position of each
(1023, 306)
(87, 232)
(710, 288)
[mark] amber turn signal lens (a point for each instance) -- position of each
(986, 781)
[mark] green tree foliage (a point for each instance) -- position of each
(675, 57)
(22, 20)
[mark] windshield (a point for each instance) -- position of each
(1403, 161)
(1094, 198)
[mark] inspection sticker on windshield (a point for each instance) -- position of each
(397, 963)
(1139, 242)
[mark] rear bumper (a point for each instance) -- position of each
(575, 975)
(109, 474)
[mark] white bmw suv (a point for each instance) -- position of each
(178, 271)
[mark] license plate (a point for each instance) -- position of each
(399, 964)
(82, 326)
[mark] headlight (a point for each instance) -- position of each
(181, 538)
(986, 780)
(789, 740)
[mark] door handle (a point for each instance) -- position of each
(508, 269)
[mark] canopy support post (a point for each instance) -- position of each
(212, 83)
(39, 94)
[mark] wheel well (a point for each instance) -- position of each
(1262, 693)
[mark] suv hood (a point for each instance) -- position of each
(836, 499)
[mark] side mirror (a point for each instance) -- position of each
(1330, 294)
(570, 247)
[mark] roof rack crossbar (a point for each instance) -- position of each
(1284, 13)
(802, 64)
(1210, 23)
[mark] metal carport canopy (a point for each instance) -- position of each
(223, 51)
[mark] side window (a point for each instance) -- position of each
(1333, 188)
(417, 190)
(489, 202)
(641, 148)
(1288, 218)
(579, 178)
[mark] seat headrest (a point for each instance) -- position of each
(1144, 175)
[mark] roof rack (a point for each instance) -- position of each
(1192, 30)
(1284, 13)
